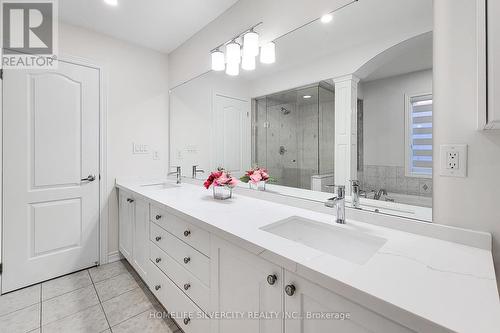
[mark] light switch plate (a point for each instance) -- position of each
(453, 160)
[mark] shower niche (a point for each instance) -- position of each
(293, 136)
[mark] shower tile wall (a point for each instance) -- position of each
(393, 179)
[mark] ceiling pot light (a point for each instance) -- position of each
(248, 63)
(251, 44)
(327, 18)
(218, 61)
(111, 2)
(268, 53)
(307, 96)
(232, 69)
(233, 53)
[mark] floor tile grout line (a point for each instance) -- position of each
(72, 314)
(100, 303)
(23, 308)
(136, 315)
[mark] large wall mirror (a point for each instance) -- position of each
(350, 99)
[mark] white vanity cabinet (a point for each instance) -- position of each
(321, 310)
(126, 224)
(134, 231)
(243, 284)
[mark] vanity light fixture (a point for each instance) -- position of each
(268, 53)
(251, 44)
(327, 18)
(241, 49)
(218, 60)
(111, 2)
(233, 53)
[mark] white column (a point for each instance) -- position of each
(346, 128)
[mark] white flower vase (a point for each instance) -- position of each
(222, 192)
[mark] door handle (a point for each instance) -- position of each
(90, 178)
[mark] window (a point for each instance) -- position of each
(419, 135)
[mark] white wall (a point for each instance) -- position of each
(470, 202)
(137, 101)
(384, 116)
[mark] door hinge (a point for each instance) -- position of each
(1, 74)
(1, 268)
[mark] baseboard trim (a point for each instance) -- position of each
(114, 256)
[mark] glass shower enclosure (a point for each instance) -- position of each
(293, 136)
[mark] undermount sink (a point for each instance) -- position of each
(159, 186)
(350, 245)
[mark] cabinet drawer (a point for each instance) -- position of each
(194, 236)
(187, 315)
(186, 281)
(189, 258)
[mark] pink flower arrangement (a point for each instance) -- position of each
(256, 175)
(220, 178)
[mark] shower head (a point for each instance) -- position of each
(285, 111)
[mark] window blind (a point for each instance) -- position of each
(421, 135)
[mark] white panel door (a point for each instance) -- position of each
(51, 143)
(232, 134)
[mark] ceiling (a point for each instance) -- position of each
(161, 25)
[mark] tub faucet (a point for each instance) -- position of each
(355, 193)
(177, 172)
(339, 203)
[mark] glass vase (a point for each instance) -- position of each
(259, 186)
(222, 192)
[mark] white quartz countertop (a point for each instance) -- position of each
(433, 280)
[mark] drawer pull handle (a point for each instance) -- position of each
(157, 217)
(187, 233)
(290, 290)
(158, 260)
(271, 279)
(158, 238)
(187, 260)
(186, 321)
(157, 287)
(187, 286)
(130, 200)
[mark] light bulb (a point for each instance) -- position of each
(248, 63)
(233, 53)
(232, 69)
(268, 53)
(111, 2)
(218, 63)
(327, 18)
(251, 44)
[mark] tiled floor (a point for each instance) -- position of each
(109, 298)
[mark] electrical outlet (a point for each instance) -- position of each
(156, 155)
(453, 160)
(139, 149)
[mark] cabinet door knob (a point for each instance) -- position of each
(271, 279)
(158, 238)
(157, 217)
(158, 260)
(186, 260)
(187, 233)
(186, 321)
(290, 290)
(187, 286)
(157, 287)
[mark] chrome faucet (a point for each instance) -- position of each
(196, 171)
(177, 173)
(379, 194)
(355, 185)
(338, 202)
